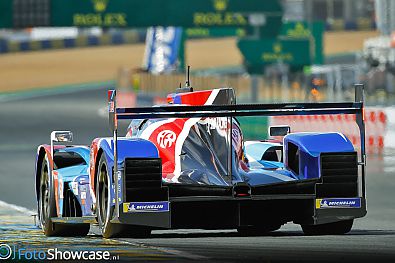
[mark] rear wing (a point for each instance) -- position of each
(279, 109)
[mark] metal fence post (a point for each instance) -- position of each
(254, 88)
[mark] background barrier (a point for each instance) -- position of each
(389, 138)
(119, 38)
(375, 124)
(358, 24)
(380, 121)
(161, 85)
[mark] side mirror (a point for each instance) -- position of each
(61, 136)
(279, 130)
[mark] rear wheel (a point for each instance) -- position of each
(104, 209)
(336, 228)
(47, 208)
(46, 201)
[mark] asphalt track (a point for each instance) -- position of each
(27, 121)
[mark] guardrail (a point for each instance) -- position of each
(127, 37)
(357, 24)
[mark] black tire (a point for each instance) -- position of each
(104, 210)
(47, 208)
(336, 228)
(103, 207)
(257, 230)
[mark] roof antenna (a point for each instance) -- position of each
(188, 82)
(188, 87)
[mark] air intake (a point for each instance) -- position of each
(339, 173)
(143, 173)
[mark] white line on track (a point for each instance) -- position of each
(18, 208)
(170, 251)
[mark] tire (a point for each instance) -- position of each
(257, 230)
(336, 228)
(47, 208)
(104, 209)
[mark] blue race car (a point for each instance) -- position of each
(187, 165)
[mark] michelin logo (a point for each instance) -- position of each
(338, 203)
(137, 207)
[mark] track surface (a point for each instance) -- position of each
(25, 123)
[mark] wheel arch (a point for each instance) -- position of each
(96, 163)
(41, 152)
(127, 148)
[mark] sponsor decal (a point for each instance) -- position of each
(161, 52)
(111, 106)
(220, 5)
(100, 16)
(219, 16)
(100, 5)
(338, 203)
(277, 54)
(55, 175)
(74, 186)
(166, 138)
(219, 124)
(136, 207)
(92, 158)
(236, 138)
(60, 188)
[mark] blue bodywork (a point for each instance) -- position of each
(313, 143)
(192, 168)
(310, 146)
(76, 177)
(127, 147)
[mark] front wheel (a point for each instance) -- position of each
(336, 228)
(46, 201)
(104, 208)
(47, 208)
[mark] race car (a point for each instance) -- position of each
(187, 165)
